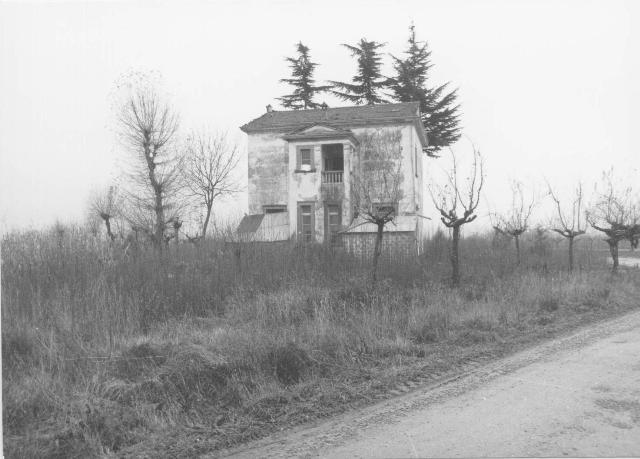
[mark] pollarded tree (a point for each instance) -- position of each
(515, 222)
(569, 222)
(615, 214)
(368, 82)
(438, 106)
(457, 204)
(148, 127)
(208, 170)
(302, 80)
(107, 205)
(377, 184)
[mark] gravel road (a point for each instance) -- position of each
(574, 396)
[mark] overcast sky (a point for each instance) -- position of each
(548, 89)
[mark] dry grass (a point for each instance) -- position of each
(202, 347)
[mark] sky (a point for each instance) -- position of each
(548, 89)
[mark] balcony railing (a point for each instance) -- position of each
(332, 176)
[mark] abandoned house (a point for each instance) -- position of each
(301, 165)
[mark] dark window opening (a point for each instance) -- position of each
(333, 157)
(384, 209)
(274, 209)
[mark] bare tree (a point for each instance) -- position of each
(148, 127)
(569, 224)
(457, 204)
(516, 222)
(377, 185)
(615, 214)
(208, 170)
(107, 204)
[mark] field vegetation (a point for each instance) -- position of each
(174, 353)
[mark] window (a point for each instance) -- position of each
(306, 224)
(333, 157)
(384, 209)
(305, 158)
(332, 222)
(274, 208)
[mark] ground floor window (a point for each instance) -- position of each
(306, 223)
(274, 209)
(332, 222)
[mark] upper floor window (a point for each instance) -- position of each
(333, 157)
(384, 209)
(305, 158)
(274, 209)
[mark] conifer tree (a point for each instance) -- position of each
(367, 83)
(302, 80)
(438, 106)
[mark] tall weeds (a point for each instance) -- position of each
(102, 345)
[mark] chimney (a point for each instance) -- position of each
(269, 108)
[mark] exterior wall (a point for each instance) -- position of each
(267, 171)
(409, 140)
(393, 243)
(273, 179)
(308, 187)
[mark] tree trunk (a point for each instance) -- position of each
(613, 249)
(107, 223)
(376, 253)
(517, 239)
(571, 254)
(159, 233)
(455, 259)
(206, 221)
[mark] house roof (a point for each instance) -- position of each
(339, 117)
(250, 223)
(265, 227)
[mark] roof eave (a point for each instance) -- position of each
(357, 123)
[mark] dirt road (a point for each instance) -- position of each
(575, 396)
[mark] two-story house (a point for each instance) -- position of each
(301, 164)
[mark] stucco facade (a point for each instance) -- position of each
(306, 160)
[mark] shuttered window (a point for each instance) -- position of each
(333, 222)
(306, 222)
(305, 158)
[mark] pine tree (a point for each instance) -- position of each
(302, 79)
(368, 81)
(439, 109)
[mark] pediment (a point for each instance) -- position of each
(319, 129)
(319, 132)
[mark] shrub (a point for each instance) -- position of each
(549, 303)
(289, 362)
(19, 348)
(138, 360)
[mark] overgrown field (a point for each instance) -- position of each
(134, 353)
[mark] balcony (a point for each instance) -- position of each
(332, 176)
